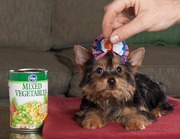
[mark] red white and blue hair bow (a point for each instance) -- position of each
(102, 46)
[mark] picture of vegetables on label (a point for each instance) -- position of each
(29, 115)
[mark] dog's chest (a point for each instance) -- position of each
(111, 110)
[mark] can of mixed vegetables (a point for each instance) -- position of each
(28, 93)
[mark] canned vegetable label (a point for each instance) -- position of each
(28, 91)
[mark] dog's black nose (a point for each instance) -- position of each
(111, 81)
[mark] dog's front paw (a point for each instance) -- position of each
(93, 122)
(137, 124)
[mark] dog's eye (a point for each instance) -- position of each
(119, 69)
(99, 70)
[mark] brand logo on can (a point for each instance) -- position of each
(32, 78)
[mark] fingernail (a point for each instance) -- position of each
(114, 38)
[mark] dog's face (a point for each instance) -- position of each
(108, 77)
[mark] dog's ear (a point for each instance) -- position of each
(135, 58)
(82, 55)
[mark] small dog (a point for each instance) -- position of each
(115, 92)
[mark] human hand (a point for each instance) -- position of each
(148, 15)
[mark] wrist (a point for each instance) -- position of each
(178, 12)
(178, 21)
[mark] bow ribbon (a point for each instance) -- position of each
(102, 46)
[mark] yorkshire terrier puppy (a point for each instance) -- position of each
(115, 91)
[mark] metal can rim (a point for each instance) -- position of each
(28, 70)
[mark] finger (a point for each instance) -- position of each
(111, 12)
(127, 31)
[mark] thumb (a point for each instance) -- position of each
(128, 30)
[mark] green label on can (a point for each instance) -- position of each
(28, 92)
